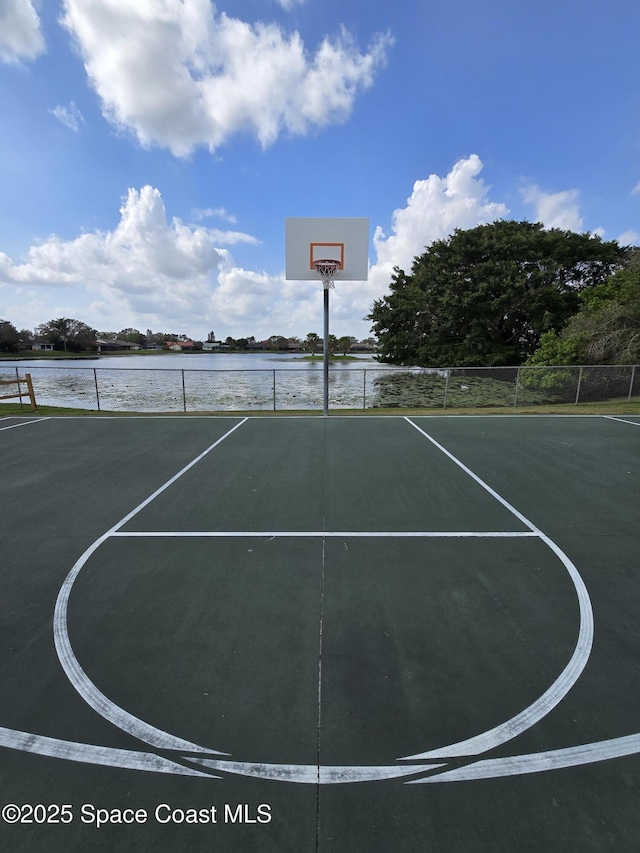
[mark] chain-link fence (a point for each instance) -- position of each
(169, 390)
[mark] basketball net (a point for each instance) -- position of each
(327, 270)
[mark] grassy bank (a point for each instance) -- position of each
(41, 355)
(612, 407)
(331, 358)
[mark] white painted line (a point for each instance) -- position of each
(312, 774)
(475, 477)
(26, 423)
(91, 754)
(77, 676)
(539, 762)
(514, 417)
(321, 534)
(561, 686)
(87, 689)
(622, 420)
(177, 476)
(333, 416)
(320, 639)
(177, 416)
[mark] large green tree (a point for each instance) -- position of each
(132, 336)
(9, 337)
(344, 344)
(312, 342)
(606, 329)
(68, 334)
(485, 296)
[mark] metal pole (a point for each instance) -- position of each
(364, 390)
(578, 388)
(515, 399)
(326, 352)
(95, 382)
(446, 389)
(274, 390)
(19, 387)
(184, 394)
(633, 376)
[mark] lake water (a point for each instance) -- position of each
(204, 382)
(196, 361)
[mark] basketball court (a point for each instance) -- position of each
(343, 633)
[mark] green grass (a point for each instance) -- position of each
(331, 358)
(41, 355)
(611, 407)
(407, 390)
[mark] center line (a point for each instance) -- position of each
(322, 534)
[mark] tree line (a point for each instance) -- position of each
(70, 335)
(513, 293)
(507, 293)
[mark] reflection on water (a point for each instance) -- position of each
(124, 387)
(200, 361)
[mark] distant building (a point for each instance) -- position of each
(116, 345)
(363, 346)
(179, 346)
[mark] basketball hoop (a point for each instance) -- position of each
(327, 270)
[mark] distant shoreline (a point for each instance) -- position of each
(56, 355)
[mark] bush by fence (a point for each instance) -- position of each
(166, 390)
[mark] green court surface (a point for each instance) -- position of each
(320, 634)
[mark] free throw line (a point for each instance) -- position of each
(321, 534)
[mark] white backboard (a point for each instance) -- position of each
(345, 240)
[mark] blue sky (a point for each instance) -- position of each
(150, 151)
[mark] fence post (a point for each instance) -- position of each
(32, 396)
(274, 390)
(184, 394)
(578, 388)
(633, 376)
(95, 382)
(19, 387)
(446, 388)
(515, 399)
(20, 382)
(364, 390)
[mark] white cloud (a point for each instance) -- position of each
(143, 251)
(151, 272)
(145, 267)
(629, 238)
(181, 75)
(636, 189)
(288, 5)
(555, 210)
(71, 117)
(207, 212)
(435, 208)
(20, 36)
(246, 302)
